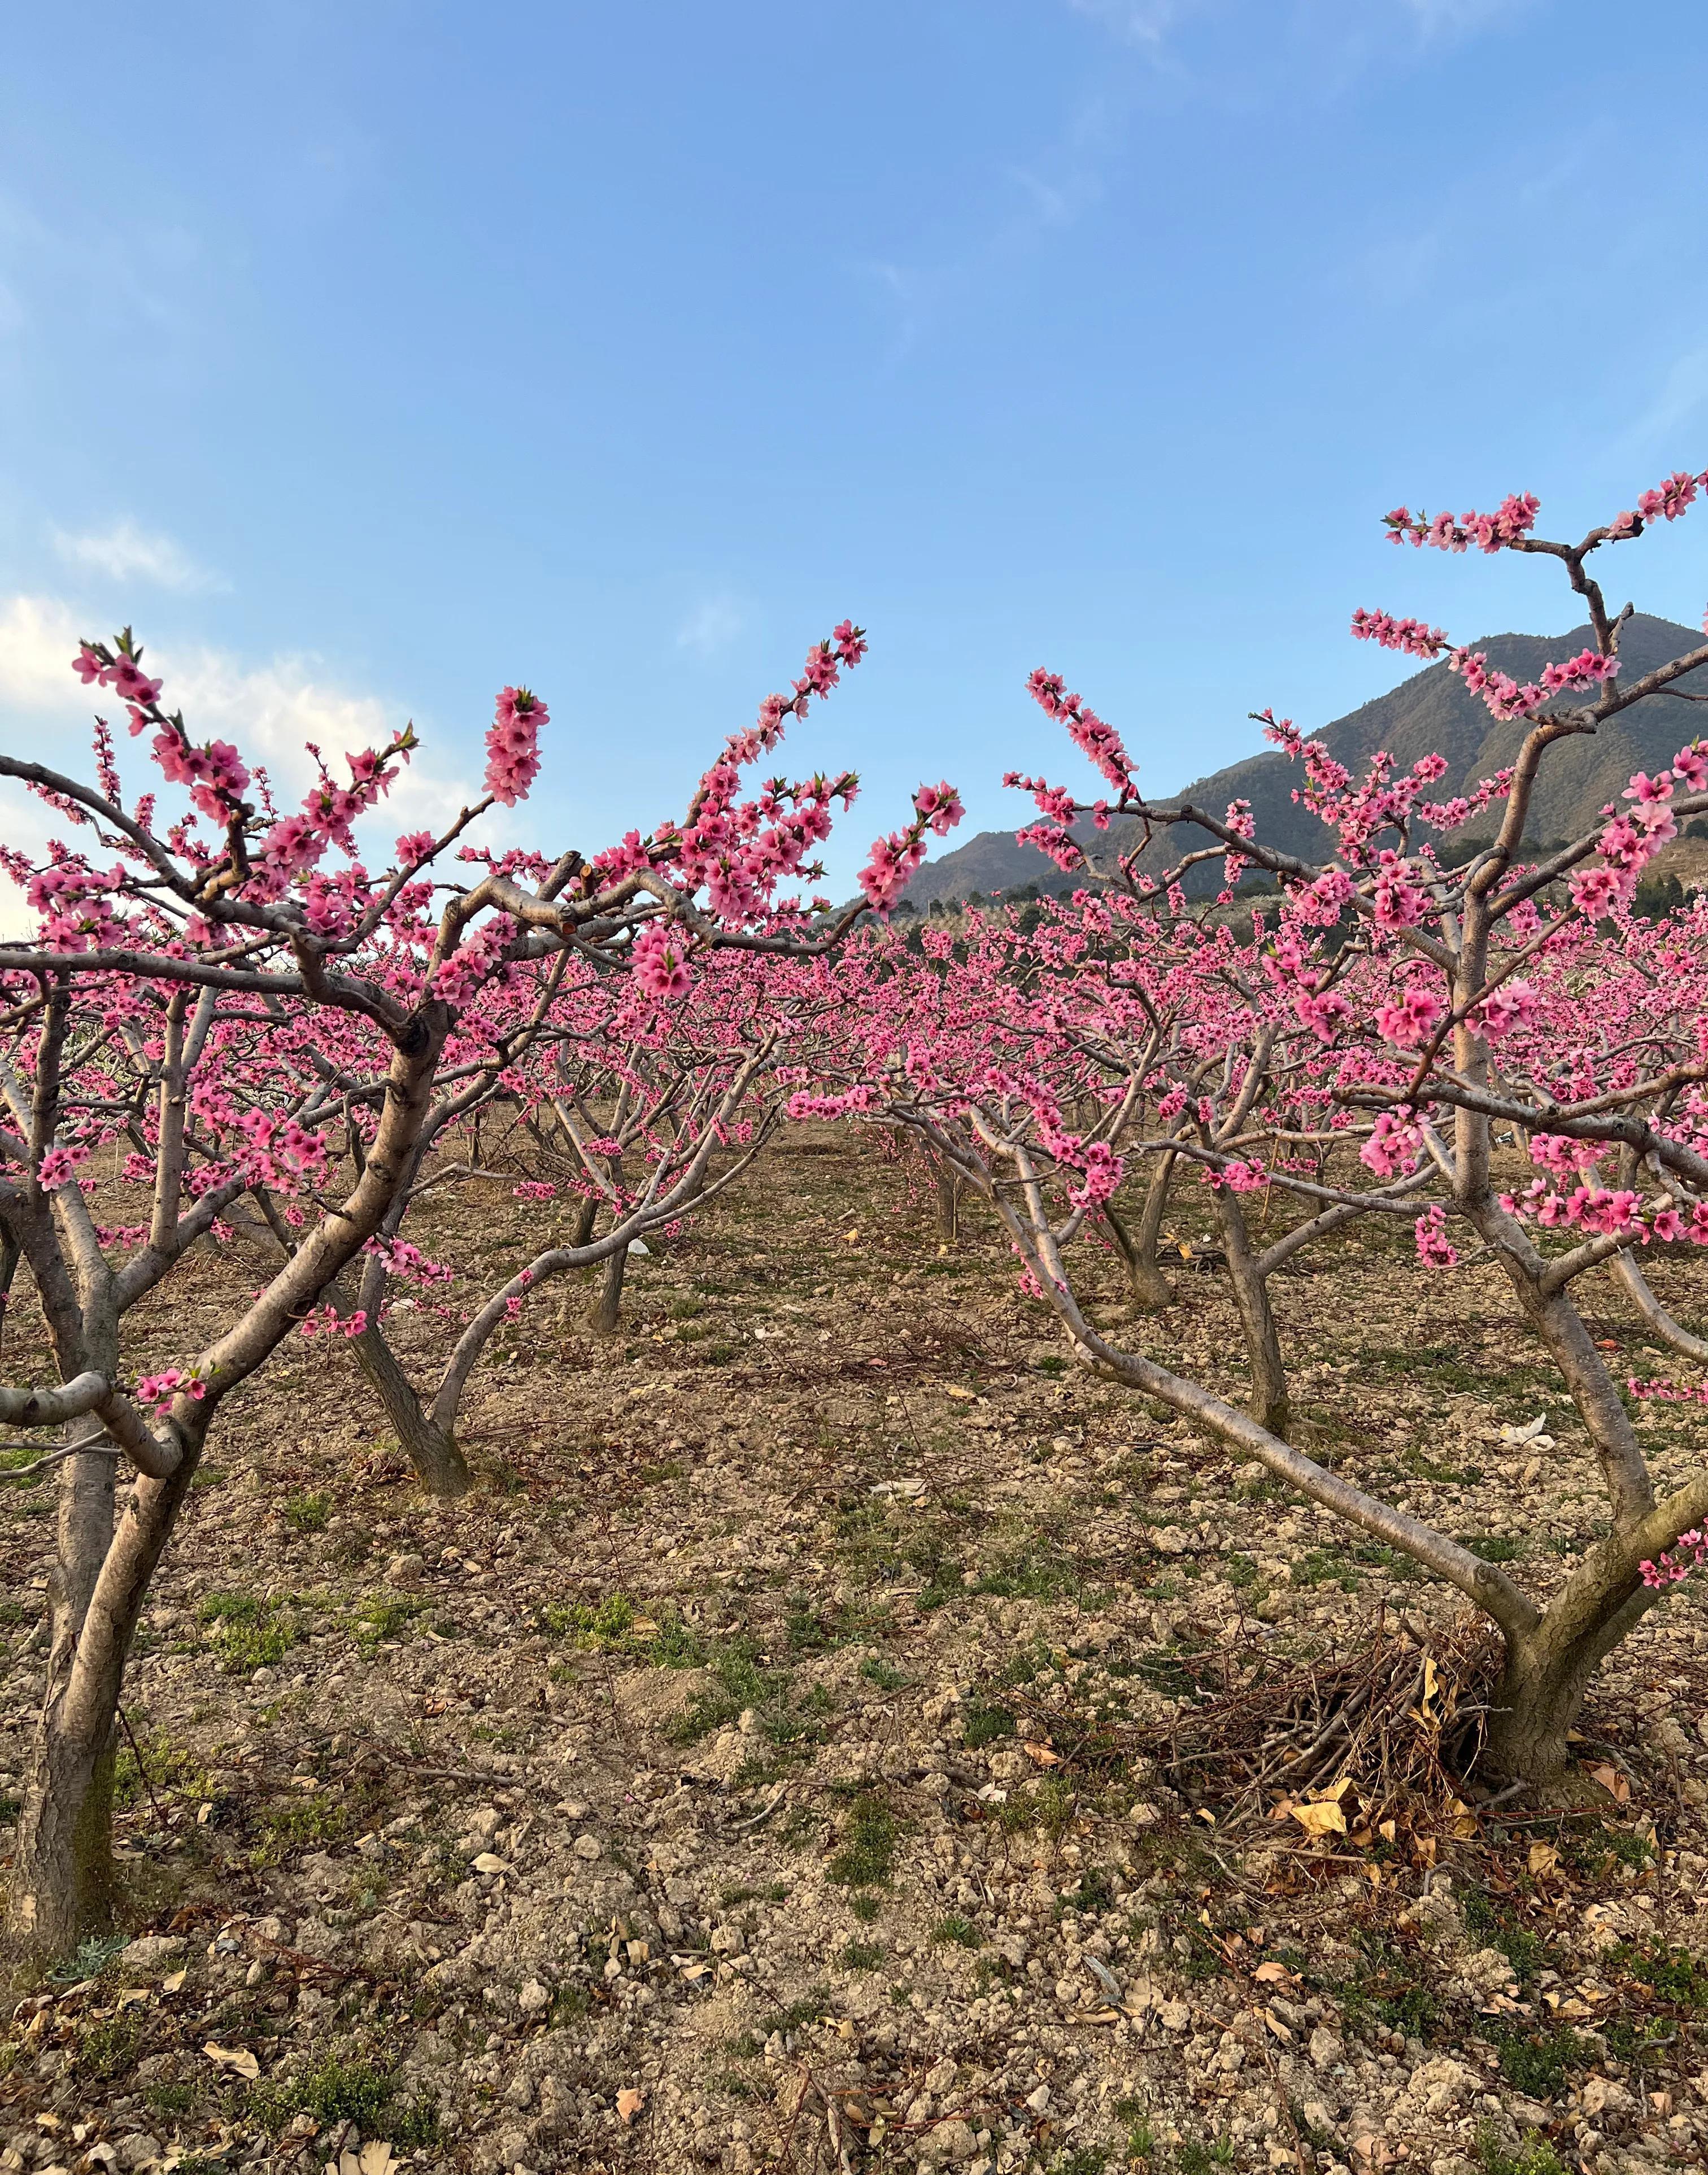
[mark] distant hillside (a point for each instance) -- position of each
(1429, 712)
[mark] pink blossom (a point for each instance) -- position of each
(512, 744)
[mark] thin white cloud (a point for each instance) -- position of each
(126, 553)
(269, 712)
(1458, 18)
(711, 628)
(1143, 22)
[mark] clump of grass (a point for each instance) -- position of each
(1674, 1975)
(862, 1956)
(340, 2091)
(1535, 2063)
(1534, 2156)
(299, 1824)
(306, 1514)
(867, 1853)
(248, 1633)
(108, 2048)
(384, 1616)
(957, 1932)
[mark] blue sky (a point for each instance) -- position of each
(369, 354)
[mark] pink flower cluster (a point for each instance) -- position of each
(512, 744)
(659, 956)
(326, 1320)
(1514, 1004)
(1689, 1553)
(59, 1165)
(893, 860)
(1435, 1250)
(1503, 696)
(1395, 1144)
(534, 1189)
(1666, 502)
(154, 1391)
(1087, 731)
(1631, 841)
(1412, 636)
(409, 1262)
(1410, 1022)
(1614, 1211)
(1514, 518)
(76, 906)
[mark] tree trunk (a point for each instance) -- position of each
(63, 1883)
(606, 1310)
(948, 1201)
(1269, 1403)
(1148, 1289)
(432, 1450)
(62, 1886)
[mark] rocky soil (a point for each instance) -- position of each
(774, 1764)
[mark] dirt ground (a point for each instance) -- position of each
(790, 1757)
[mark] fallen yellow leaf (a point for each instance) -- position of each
(1271, 1973)
(1322, 1819)
(1042, 1755)
(630, 2102)
(174, 1982)
(238, 2059)
(954, 1390)
(376, 2157)
(1543, 1857)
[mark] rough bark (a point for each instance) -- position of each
(1269, 1404)
(948, 1201)
(1148, 1289)
(433, 1451)
(606, 1310)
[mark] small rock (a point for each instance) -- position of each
(406, 1570)
(153, 1951)
(533, 1998)
(1325, 2047)
(1174, 2016)
(137, 2150)
(1038, 2101)
(314, 1938)
(1602, 2097)
(588, 1847)
(953, 2141)
(1172, 1541)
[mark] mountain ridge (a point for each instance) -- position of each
(1429, 712)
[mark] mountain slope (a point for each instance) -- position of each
(1429, 712)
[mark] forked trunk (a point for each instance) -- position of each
(1148, 1289)
(433, 1451)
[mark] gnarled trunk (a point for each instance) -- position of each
(433, 1451)
(1148, 1289)
(606, 1310)
(1269, 1403)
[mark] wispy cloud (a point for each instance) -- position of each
(126, 553)
(1144, 22)
(711, 628)
(269, 710)
(1458, 18)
